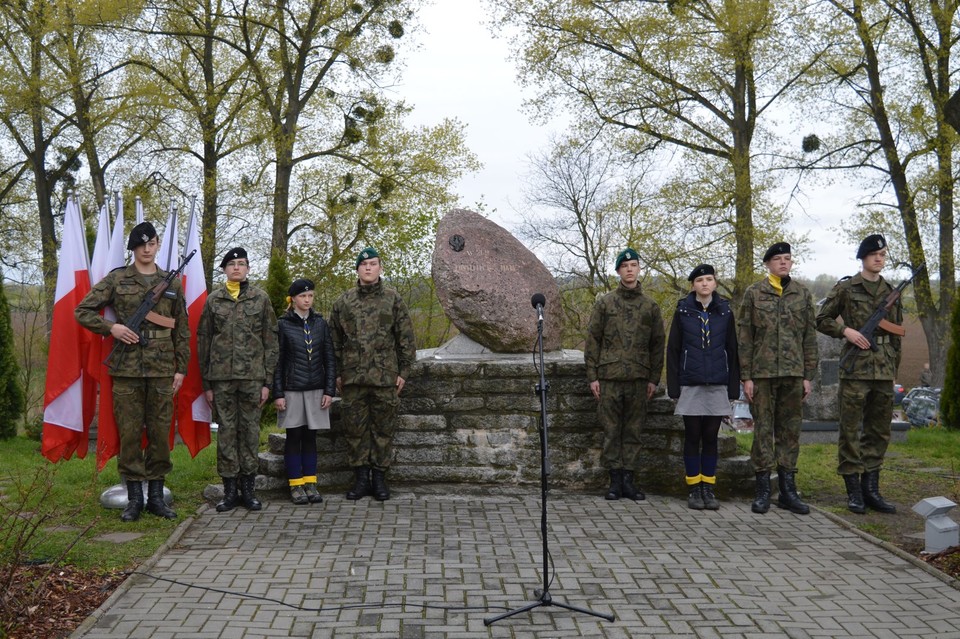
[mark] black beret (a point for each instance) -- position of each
(300, 286)
(703, 269)
(776, 249)
(623, 256)
(870, 244)
(140, 235)
(236, 253)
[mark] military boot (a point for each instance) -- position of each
(709, 499)
(361, 483)
(134, 501)
(616, 484)
(230, 497)
(789, 498)
(694, 497)
(155, 503)
(380, 490)
(761, 502)
(627, 487)
(870, 485)
(854, 494)
(248, 494)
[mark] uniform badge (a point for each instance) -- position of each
(145, 238)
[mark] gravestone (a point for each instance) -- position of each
(485, 279)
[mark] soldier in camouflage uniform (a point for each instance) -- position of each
(375, 347)
(142, 373)
(866, 391)
(238, 351)
(624, 358)
(778, 360)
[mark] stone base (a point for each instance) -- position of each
(470, 417)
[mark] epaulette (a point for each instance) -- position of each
(844, 278)
(118, 268)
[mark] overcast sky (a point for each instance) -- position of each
(462, 71)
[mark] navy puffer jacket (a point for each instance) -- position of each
(690, 360)
(297, 370)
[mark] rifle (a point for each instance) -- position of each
(877, 320)
(146, 307)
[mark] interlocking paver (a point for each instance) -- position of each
(425, 566)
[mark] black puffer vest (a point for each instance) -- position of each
(701, 363)
(298, 370)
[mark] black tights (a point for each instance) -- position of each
(700, 444)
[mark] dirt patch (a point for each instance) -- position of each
(49, 603)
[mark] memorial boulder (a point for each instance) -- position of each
(485, 278)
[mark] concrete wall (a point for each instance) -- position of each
(474, 420)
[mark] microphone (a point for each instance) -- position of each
(538, 301)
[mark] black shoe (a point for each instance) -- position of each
(854, 494)
(155, 503)
(628, 490)
(870, 485)
(380, 490)
(616, 485)
(248, 495)
(313, 495)
(761, 503)
(789, 498)
(230, 497)
(134, 502)
(709, 499)
(361, 483)
(694, 497)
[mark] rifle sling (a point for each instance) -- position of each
(890, 327)
(161, 320)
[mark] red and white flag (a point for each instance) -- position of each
(192, 410)
(70, 393)
(108, 438)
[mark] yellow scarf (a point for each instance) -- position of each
(775, 283)
(234, 289)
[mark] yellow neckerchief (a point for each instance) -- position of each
(234, 289)
(775, 283)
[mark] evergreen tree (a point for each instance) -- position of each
(950, 395)
(278, 281)
(12, 399)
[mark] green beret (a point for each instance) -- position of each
(625, 254)
(366, 254)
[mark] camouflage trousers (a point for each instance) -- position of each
(777, 411)
(866, 410)
(368, 414)
(138, 403)
(236, 405)
(622, 413)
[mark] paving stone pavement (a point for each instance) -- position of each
(425, 565)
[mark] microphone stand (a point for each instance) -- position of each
(544, 595)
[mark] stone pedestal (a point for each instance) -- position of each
(471, 416)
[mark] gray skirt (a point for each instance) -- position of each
(303, 409)
(704, 400)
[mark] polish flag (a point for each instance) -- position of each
(192, 410)
(108, 438)
(70, 393)
(168, 259)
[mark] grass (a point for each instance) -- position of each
(52, 511)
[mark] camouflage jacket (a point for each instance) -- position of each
(237, 339)
(851, 300)
(777, 334)
(373, 338)
(167, 351)
(625, 337)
